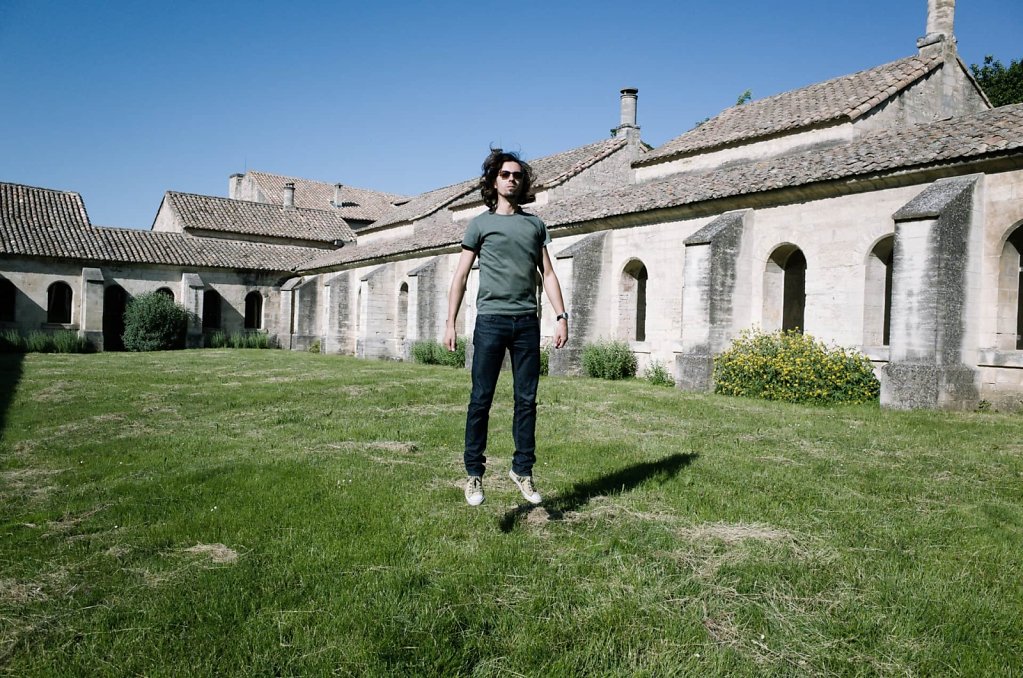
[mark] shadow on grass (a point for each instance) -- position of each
(617, 482)
(10, 375)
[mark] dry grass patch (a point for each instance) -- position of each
(57, 392)
(27, 483)
(69, 522)
(13, 592)
(217, 553)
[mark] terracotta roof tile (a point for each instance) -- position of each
(426, 204)
(554, 170)
(551, 171)
(358, 204)
(841, 99)
(40, 222)
(27, 207)
(991, 133)
(211, 213)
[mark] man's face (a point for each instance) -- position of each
(508, 180)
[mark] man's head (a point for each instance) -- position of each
(505, 174)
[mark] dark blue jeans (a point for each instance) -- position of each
(520, 336)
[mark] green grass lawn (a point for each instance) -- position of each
(275, 513)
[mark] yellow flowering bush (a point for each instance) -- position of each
(795, 368)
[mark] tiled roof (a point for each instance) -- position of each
(358, 204)
(841, 99)
(427, 203)
(427, 236)
(556, 169)
(210, 213)
(27, 207)
(997, 132)
(41, 222)
(550, 171)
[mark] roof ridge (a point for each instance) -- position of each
(327, 183)
(819, 103)
(264, 205)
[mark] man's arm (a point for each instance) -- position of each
(455, 294)
(553, 288)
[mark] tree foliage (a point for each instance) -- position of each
(153, 322)
(1002, 85)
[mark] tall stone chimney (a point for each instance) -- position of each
(337, 196)
(627, 126)
(940, 18)
(234, 186)
(289, 195)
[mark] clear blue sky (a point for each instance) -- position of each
(121, 101)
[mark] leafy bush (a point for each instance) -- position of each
(609, 360)
(658, 375)
(314, 347)
(435, 353)
(794, 367)
(153, 322)
(545, 361)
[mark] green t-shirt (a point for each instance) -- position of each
(510, 250)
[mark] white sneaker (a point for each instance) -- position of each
(525, 485)
(474, 490)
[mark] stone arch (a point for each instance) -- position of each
(254, 311)
(166, 291)
(401, 331)
(1009, 329)
(877, 292)
(58, 303)
(212, 310)
(8, 295)
(115, 301)
(632, 301)
(785, 289)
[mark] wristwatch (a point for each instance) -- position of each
(560, 316)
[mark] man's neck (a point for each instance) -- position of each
(505, 206)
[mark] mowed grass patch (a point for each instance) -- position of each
(253, 512)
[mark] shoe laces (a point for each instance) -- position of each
(475, 484)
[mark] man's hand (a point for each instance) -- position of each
(560, 333)
(449, 338)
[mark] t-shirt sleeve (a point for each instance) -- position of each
(543, 232)
(472, 239)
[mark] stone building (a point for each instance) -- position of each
(882, 210)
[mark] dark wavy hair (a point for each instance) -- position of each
(492, 165)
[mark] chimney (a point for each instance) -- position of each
(337, 195)
(940, 17)
(289, 195)
(234, 186)
(628, 126)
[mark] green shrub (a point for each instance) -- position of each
(12, 342)
(153, 322)
(658, 375)
(67, 341)
(221, 339)
(40, 342)
(794, 367)
(217, 339)
(609, 360)
(63, 341)
(545, 361)
(435, 353)
(314, 347)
